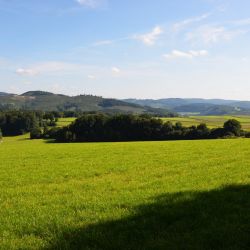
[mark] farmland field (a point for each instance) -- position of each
(64, 121)
(211, 121)
(137, 195)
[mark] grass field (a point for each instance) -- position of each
(137, 195)
(64, 121)
(211, 121)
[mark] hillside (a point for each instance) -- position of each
(46, 101)
(4, 94)
(197, 105)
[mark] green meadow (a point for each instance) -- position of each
(136, 195)
(211, 121)
(62, 122)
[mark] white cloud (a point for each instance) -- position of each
(89, 3)
(183, 24)
(103, 42)
(241, 22)
(213, 34)
(150, 38)
(188, 55)
(47, 67)
(115, 70)
(91, 77)
(26, 72)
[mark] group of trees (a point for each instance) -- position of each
(20, 122)
(38, 123)
(100, 127)
(17, 123)
(93, 128)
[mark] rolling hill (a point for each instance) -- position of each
(46, 101)
(197, 105)
(4, 94)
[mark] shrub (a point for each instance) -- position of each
(232, 127)
(36, 133)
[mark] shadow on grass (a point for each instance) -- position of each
(217, 219)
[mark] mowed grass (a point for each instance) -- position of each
(62, 122)
(136, 195)
(211, 121)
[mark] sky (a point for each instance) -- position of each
(126, 49)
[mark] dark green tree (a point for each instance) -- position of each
(233, 127)
(36, 133)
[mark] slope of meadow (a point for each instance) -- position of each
(137, 195)
(211, 121)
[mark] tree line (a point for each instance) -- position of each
(100, 128)
(20, 122)
(94, 127)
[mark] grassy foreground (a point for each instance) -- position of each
(138, 195)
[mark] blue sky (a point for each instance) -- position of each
(132, 48)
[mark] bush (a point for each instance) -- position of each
(232, 127)
(36, 133)
(51, 133)
(1, 135)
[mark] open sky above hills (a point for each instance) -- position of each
(121, 49)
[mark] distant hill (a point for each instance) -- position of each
(4, 94)
(197, 105)
(46, 101)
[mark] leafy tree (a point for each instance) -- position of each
(36, 133)
(17, 122)
(232, 126)
(99, 127)
(1, 135)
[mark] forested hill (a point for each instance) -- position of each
(4, 94)
(197, 105)
(46, 101)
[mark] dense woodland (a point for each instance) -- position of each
(94, 128)
(20, 122)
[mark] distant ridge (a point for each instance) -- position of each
(197, 106)
(37, 93)
(4, 94)
(47, 101)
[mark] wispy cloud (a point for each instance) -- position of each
(150, 38)
(213, 34)
(103, 42)
(187, 55)
(187, 22)
(27, 72)
(109, 42)
(116, 70)
(241, 22)
(91, 3)
(47, 67)
(91, 77)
